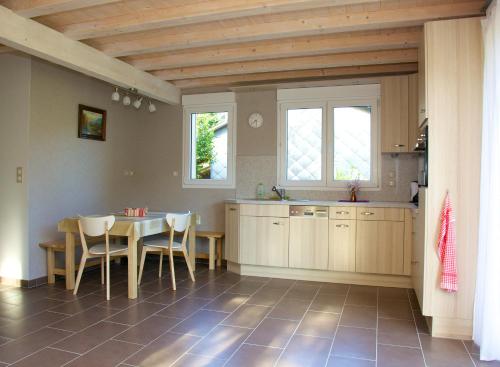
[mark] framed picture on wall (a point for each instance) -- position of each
(91, 123)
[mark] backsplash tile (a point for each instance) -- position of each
(254, 169)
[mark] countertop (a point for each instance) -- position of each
(373, 204)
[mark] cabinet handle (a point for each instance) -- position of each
(342, 212)
(342, 225)
(367, 213)
(277, 223)
(232, 209)
(414, 262)
(422, 110)
(398, 145)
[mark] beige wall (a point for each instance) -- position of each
(14, 121)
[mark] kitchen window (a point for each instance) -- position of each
(209, 131)
(328, 137)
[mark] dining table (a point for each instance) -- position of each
(134, 229)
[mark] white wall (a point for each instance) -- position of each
(15, 73)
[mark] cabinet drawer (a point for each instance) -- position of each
(391, 214)
(342, 212)
(262, 210)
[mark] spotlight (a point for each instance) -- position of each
(151, 107)
(137, 103)
(126, 100)
(115, 96)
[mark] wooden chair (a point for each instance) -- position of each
(95, 227)
(177, 223)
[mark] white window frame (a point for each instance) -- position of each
(329, 97)
(201, 103)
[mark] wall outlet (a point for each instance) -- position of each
(19, 174)
(391, 183)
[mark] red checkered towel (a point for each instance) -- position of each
(447, 248)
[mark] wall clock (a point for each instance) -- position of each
(255, 120)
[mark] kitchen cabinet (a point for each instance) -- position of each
(232, 244)
(380, 247)
(309, 243)
(264, 241)
(413, 116)
(418, 249)
(394, 114)
(422, 81)
(342, 244)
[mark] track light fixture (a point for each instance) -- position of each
(115, 96)
(127, 100)
(138, 102)
(151, 107)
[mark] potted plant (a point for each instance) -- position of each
(353, 188)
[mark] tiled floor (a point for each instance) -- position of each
(221, 320)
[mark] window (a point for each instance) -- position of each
(328, 137)
(209, 130)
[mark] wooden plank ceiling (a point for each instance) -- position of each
(207, 43)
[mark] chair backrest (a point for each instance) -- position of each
(96, 226)
(180, 221)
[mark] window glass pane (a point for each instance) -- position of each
(352, 143)
(304, 138)
(209, 145)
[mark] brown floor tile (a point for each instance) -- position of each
(245, 287)
(108, 354)
(229, 278)
(169, 296)
(472, 347)
(17, 312)
(200, 323)
(226, 302)
(336, 361)
(148, 330)
(395, 309)
(363, 289)
(211, 290)
(254, 355)
(305, 351)
(192, 360)
(91, 337)
(78, 305)
(422, 326)
(22, 347)
(184, 307)
(47, 357)
(306, 292)
(265, 297)
(222, 342)
(398, 332)
(84, 319)
(354, 342)
(362, 299)
(319, 324)
(359, 316)
(479, 363)
(334, 288)
(444, 352)
(391, 356)
(247, 316)
(164, 351)
(122, 302)
(136, 313)
(328, 303)
(290, 308)
(393, 293)
(17, 329)
(273, 333)
(280, 283)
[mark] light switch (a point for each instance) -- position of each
(175, 173)
(391, 183)
(19, 174)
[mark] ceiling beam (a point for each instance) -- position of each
(289, 47)
(5, 49)
(35, 39)
(293, 63)
(299, 75)
(36, 8)
(293, 24)
(206, 11)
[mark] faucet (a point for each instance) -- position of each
(280, 192)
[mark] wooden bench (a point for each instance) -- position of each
(213, 256)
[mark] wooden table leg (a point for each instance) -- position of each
(70, 260)
(211, 253)
(192, 242)
(132, 267)
(219, 252)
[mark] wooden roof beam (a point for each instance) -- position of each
(286, 25)
(298, 75)
(289, 47)
(293, 63)
(36, 39)
(36, 8)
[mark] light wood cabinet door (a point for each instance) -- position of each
(264, 241)
(413, 119)
(309, 243)
(394, 114)
(232, 233)
(342, 245)
(380, 247)
(422, 81)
